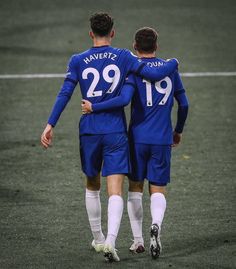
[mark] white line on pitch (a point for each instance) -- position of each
(209, 74)
(188, 74)
(16, 76)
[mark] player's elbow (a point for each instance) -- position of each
(126, 102)
(65, 95)
(183, 102)
(184, 106)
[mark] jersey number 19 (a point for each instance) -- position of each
(166, 91)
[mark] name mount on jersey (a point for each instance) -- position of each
(155, 64)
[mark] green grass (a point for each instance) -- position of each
(43, 222)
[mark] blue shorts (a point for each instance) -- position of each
(106, 152)
(151, 162)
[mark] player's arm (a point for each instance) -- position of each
(182, 114)
(117, 102)
(153, 74)
(120, 101)
(62, 99)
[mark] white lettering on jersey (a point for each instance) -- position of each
(113, 79)
(86, 60)
(113, 57)
(100, 56)
(155, 64)
(166, 91)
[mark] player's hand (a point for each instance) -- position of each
(86, 107)
(46, 137)
(176, 139)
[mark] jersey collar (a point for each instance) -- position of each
(98, 47)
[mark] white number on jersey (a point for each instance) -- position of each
(166, 91)
(114, 80)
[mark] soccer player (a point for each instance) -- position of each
(101, 71)
(151, 136)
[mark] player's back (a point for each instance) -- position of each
(101, 72)
(151, 107)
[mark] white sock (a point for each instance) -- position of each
(93, 206)
(135, 211)
(158, 207)
(115, 211)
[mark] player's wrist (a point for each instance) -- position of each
(178, 132)
(49, 125)
(94, 107)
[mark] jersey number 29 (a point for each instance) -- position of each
(114, 80)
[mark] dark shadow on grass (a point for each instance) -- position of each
(33, 27)
(22, 51)
(19, 196)
(197, 265)
(183, 248)
(180, 251)
(16, 144)
(8, 194)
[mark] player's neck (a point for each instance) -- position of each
(103, 41)
(146, 55)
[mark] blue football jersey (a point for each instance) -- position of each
(151, 106)
(101, 72)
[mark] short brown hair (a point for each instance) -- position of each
(146, 40)
(101, 24)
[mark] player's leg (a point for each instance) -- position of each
(115, 206)
(157, 203)
(139, 155)
(114, 215)
(91, 156)
(135, 212)
(157, 207)
(159, 177)
(116, 164)
(93, 207)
